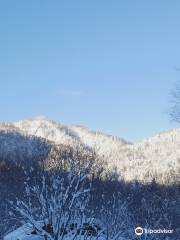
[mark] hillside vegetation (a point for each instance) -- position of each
(156, 158)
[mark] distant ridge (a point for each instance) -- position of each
(157, 158)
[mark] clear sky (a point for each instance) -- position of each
(107, 65)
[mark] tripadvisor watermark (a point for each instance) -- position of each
(139, 231)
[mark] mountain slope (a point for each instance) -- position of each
(17, 146)
(106, 146)
(156, 158)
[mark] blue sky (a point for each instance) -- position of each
(108, 65)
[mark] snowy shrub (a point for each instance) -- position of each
(59, 208)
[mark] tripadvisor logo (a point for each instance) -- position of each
(139, 231)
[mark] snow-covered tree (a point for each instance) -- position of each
(59, 208)
(115, 216)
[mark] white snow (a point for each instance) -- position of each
(155, 158)
(24, 233)
(20, 233)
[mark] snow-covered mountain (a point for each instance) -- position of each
(156, 158)
(16, 145)
(69, 135)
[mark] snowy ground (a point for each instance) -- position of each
(24, 233)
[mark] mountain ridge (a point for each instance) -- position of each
(154, 158)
